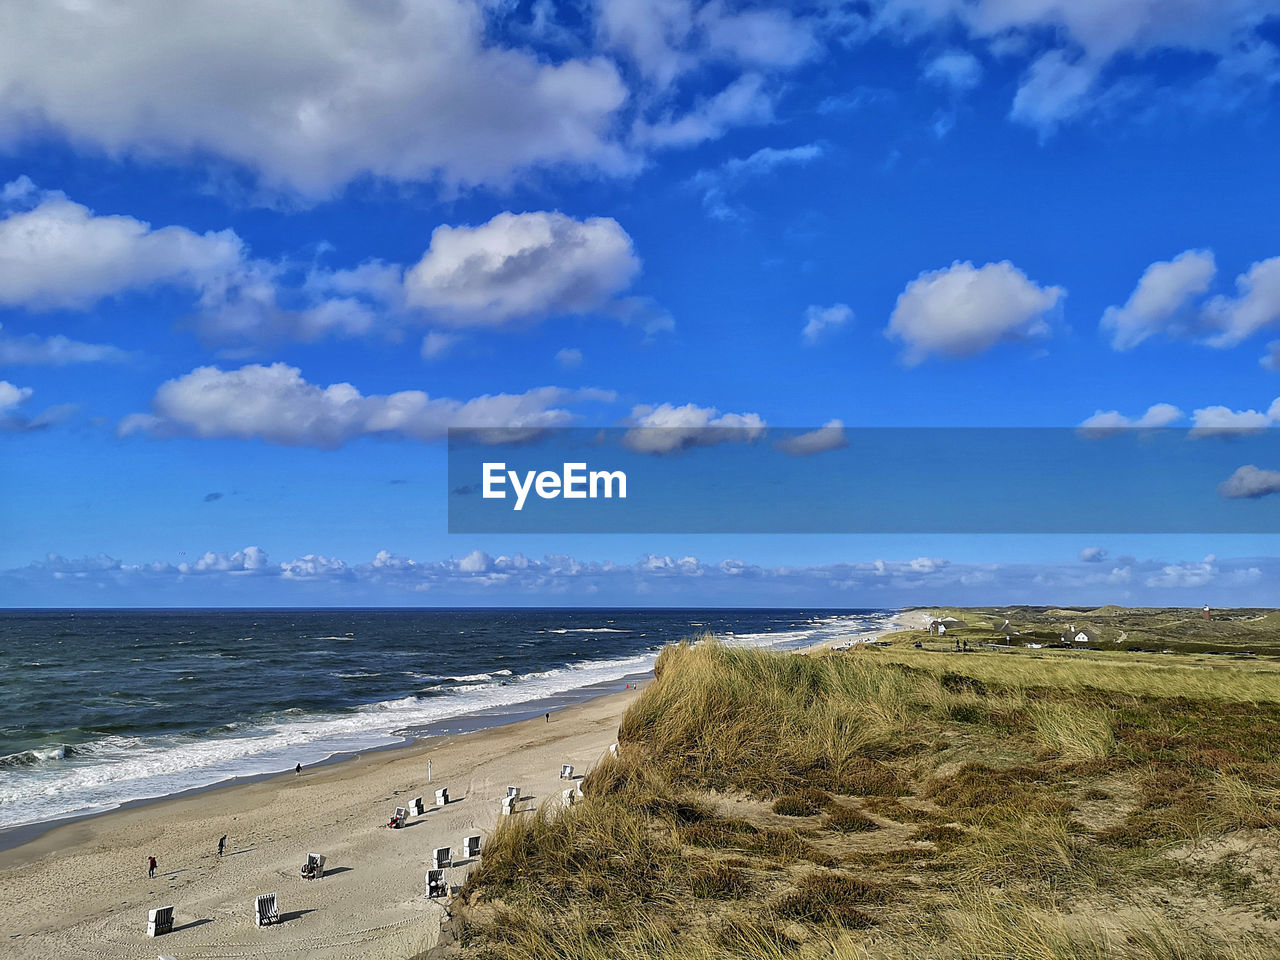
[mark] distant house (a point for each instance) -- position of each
(1007, 629)
(939, 627)
(1083, 635)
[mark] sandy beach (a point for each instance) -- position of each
(81, 890)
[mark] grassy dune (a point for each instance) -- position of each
(901, 803)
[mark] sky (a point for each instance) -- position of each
(258, 258)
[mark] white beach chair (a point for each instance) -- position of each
(437, 888)
(569, 796)
(513, 792)
(417, 806)
(471, 847)
(266, 910)
(613, 749)
(442, 797)
(508, 806)
(441, 858)
(159, 921)
(566, 771)
(402, 813)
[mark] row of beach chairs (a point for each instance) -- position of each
(266, 908)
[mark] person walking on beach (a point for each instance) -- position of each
(151, 866)
(297, 769)
(222, 844)
(548, 718)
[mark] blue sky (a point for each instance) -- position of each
(253, 265)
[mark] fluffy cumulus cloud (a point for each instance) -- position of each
(386, 88)
(1223, 421)
(1162, 301)
(669, 429)
(1093, 555)
(521, 265)
(55, 253)
(1085, 53)
(820, 322)
(963, 310)
(1255, 307)
(1249, 483)
(829, 436)
(276, 404)
(1106, 422)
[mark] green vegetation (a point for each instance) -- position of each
(902, 803)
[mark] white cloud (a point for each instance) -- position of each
(717, 184)
(1106, 422)
(1256, 307)
(668, 428)
(1250, 482)
(477, 561)
(958, 70)
(830, 436)
(248, 560)
(963, 310)
(55, 351)
(746, 101)
(521, 265)
(1271, 359)
(274, 403)
(1161, 301)
(819, 322)
(1223, 421)
(11, 396)
(413, 91)
(1093, 555)
(314, 566)
(569, 357)
(58, 254)
(437, 343)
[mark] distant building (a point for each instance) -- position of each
(1083, 635)
(1205, 613)
(939, 627)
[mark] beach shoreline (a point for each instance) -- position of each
(85, 881)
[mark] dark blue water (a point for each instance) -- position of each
(101, 707)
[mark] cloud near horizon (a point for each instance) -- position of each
(485, 578)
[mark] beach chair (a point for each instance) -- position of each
(441, 858)
(159, 921)
(266, 910)
(313, 869)
(402, 813)
(566, 771)
(508, 806)
(442, 797)
(471, 847)
(613, 749)
(513, 792)
(569, 796)
(437, 888)
(417, 807)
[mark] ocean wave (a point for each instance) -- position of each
(587, 630)
(26, 758)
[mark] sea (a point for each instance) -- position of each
(101, 708)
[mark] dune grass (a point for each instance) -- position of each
(860, 805)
